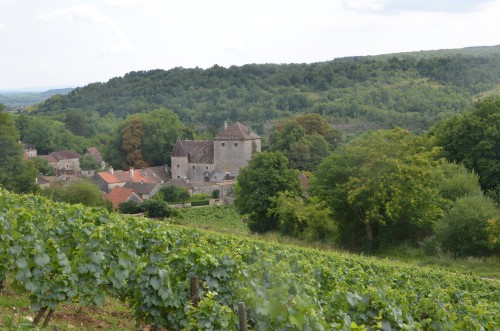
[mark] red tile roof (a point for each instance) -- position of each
(119, 195)
(108, 177)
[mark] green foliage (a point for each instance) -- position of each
(306, 140)
(413, 90)
(223, 218)
(309, 220)
(199, 197)
(16, 174)
(42, 166)
(380, 189)
(84, 192)
(468, 228)
(263, 178)
(48, 135)
(161, 129)
(472, 139)
(154, 208)
(130, 207)
(87, 162)
(173, 193)
(83, 255)
(215, 194)
(455, 181)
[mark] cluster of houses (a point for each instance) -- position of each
(201, 166)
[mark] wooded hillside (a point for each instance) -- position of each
(413, 90)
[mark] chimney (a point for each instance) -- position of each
(111, 170)
(131, 173)
(225, 125)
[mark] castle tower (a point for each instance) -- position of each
(233, 149)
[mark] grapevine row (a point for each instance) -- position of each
(62, 253)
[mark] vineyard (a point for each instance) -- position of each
(60, 253)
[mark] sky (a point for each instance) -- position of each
(69, 43)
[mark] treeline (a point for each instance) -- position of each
(383, 188)
(412, 90)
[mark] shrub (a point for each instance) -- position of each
(157, 209)
(465, 229)
(215, 194)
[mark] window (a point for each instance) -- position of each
(178, 176)
(206, 167)
(223, 144)
(235, 144)
(194, 167)
(177, 166)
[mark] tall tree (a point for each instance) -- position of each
(132, 135)
(263, 178)
(473, 139)
(380, 188)
(161, 129)
(16, 174)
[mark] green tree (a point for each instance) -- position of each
(87, 162)
(173, 193)
(42, 166)
(84, 192)
(157, 209)
(162, 127)
(307, 219)
(473, 139)
(16, 174)
(465, 230)
(263, 178)
(380, 189)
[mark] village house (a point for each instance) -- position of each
(122, 194)
(107, 180)
(69, 160)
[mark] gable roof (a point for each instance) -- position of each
(197, 151)
(141, 188)
(50, 158)
(65, 155)
(93, 150)
(237, 131)
(122, 194)
(157, 174)
(108, 177)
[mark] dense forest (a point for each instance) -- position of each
(412, 90)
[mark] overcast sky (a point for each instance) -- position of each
(47, 43)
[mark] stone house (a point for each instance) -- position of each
(69, 160)
(200, 161)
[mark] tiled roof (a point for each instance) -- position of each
(179, 150)
(119, 195)
(237, 131)
(197, 151)
(93, 150)
(120, 176)
(155, 174)
(50, 158)
(108, 177)
(65, 155)
(141, 188)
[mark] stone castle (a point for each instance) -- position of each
(200, 161)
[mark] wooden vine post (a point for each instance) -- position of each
(242, 314)
(194, 291)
